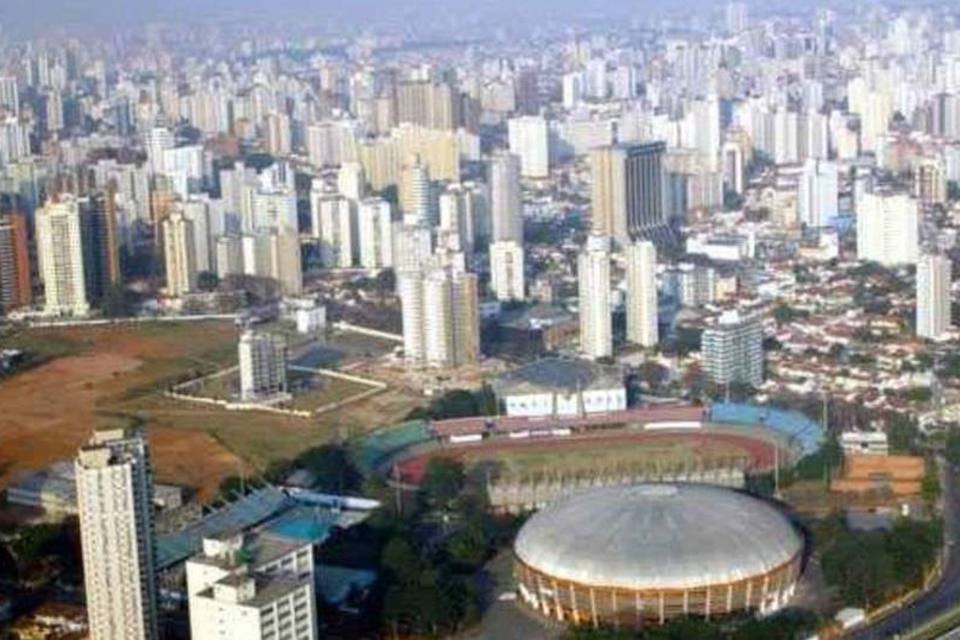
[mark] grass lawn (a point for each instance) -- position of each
(588, 459)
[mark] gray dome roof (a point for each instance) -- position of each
(657, 536)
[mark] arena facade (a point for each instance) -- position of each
(638, 555)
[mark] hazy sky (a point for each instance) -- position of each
(31, 15)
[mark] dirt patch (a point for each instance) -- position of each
(47, 412)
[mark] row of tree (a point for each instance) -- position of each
(868, 568)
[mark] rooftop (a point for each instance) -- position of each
(558, 375)
(657, 536)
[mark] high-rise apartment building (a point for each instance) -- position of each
(375, 233)
(101, 243)
(817, 195)
(506, 270)
(506, 206)
(334, 224)
(60, 249)
(933, 296)
(435, 105)
(15, 282)
(415, 193)
(887, 228)
(641, 266)
(441, 323)
(596, 319)
(115, 505)
(179, 254)
(530, 140)
(263, 365)
(733, 350)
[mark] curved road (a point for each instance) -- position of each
(946, 594)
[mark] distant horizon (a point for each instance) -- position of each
(45, 16)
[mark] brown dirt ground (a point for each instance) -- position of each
(48, 411)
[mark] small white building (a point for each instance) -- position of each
(864, 443)
(555, 386)
(307, 314)
(252, 588)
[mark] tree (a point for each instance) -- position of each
(653, 374)
(442, 482)
(332, 469)
(469, 547)
(930, 486)
(902, 435)
(952, 447)
(116, 302)
(386, 284)
(207, 281)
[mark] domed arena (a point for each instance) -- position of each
(642, 554)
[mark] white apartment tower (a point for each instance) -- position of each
(415, 192)
(375, 233)
(440, 317)
(641, 259)
(115, 505)
(933, 296)
(887, 228)
(817, 196)
(179, 254)
(506, 207)
(529, 139)
(506, 270)
(596, 320)
(334, 224)
(60, 249)
(263, 365)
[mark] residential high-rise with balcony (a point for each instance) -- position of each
(115, 505)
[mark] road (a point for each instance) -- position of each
(946, 594)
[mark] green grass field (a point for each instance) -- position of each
(584, 458)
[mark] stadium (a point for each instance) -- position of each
(643, 554)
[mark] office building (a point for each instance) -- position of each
(629, 190)
(641, 266)
(933, 296)
(263, 366)
(101, 243)
(61, 257)
(733, 350)
(506, 270)
(596, 319)
(529, 140)
(115, 505)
